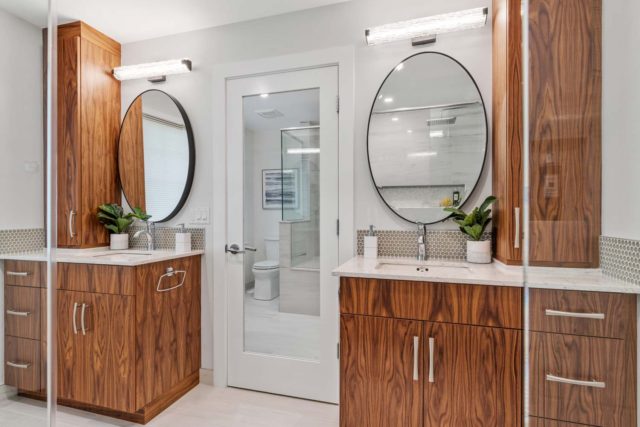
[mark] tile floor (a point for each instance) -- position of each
(204, 406)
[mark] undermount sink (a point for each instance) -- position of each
(407, 266)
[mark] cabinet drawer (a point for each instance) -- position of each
(101, 279)
(22, 312)
(22, 363)
(596, 314)
(496, 306)
(583, 380)
(541, 422)
(24, 273)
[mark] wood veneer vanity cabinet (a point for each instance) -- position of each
(565, 131)
(583, 358)
(429, 354)
(88, 125)
(128, 341)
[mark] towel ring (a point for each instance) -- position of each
(170, 273)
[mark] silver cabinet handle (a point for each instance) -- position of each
(75, 325)
(18, 273)
(18, 313)
(18, 365)
(557, 313)
(595, 384)
(432, 342)
(416, 356)
(72, 224)
(82, 315)
(516, 237)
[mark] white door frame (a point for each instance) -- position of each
(343, 58)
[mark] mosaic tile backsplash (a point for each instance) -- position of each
(166, 238)
(25, 240)
(620, 258)
(441, 244)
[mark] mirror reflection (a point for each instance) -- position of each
(427, 137)
(156, 155)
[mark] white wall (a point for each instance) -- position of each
(21, 140)
(330, 26)
(620, 122)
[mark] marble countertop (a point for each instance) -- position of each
(495, 274)
(103, 256)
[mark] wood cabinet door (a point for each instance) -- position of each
(70, 346)
(381, 377)
(473, 376)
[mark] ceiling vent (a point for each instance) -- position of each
(270, 113)
(441, 121)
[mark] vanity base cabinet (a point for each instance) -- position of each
(429, 354)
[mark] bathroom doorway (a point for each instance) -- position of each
(282, 203)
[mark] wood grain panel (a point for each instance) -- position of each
(439, 302)
(586, 359)
(376, 373)
(565, 131)
(24, 273)
(619, 311)
(22, 351)
(507, 127)
(542, 422)
(22, 300)
(167, 328)
(131, 156)
(105, 279)
(477, 377)
(70, 350)
(100, 124)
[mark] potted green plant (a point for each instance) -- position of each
(473, 225)
(112, 216)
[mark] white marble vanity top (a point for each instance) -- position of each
(496, 274)
(104, 256)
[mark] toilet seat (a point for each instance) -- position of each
(266, 265)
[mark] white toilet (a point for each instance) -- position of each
(267, 273)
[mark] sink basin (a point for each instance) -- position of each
(415, 266)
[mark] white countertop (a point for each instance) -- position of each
(496, 274)
(103, 256)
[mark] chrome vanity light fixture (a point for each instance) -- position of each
(155, 72)
(424, 30)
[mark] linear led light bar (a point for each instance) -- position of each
(303, 150)
(156, 71)
(428, 26)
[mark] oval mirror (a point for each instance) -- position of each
(156, 155)
(427, 137)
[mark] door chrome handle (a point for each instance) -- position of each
(18, 365)
(72, 223)
(75, 325)
(432, 342)
(557, 313)
(18, 273)
(82, 315)
(250, 249)
(416, 355)
(18, 313)
(595, 384)
(235, 249)
(516, 237)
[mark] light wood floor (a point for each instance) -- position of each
(205, 406)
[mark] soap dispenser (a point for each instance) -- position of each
(183, 240)
(371, 244)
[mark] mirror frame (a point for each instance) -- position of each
(486, 142)
(192, 154)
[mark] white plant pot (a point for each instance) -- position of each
(119, 241)
(479, 252)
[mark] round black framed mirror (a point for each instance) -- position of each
(156, 155)
(427, 137)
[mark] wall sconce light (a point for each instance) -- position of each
(155, 72)
(424, 30)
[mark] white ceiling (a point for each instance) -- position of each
(132, 20)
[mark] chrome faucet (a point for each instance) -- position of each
(422, 242)
(150, 233)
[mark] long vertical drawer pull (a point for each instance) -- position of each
(556, 313)
(516, 234)
(416, 356)
(18, 365)
(75, 325)
(72, 224)
(18, 313)
(595, 384)
(432, 342)
(18, 273)
(82, 314)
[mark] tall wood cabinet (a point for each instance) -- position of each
(565, 86)
(88, 126)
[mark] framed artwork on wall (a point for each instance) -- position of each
(280, 189)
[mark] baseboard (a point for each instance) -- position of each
(206, 376)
